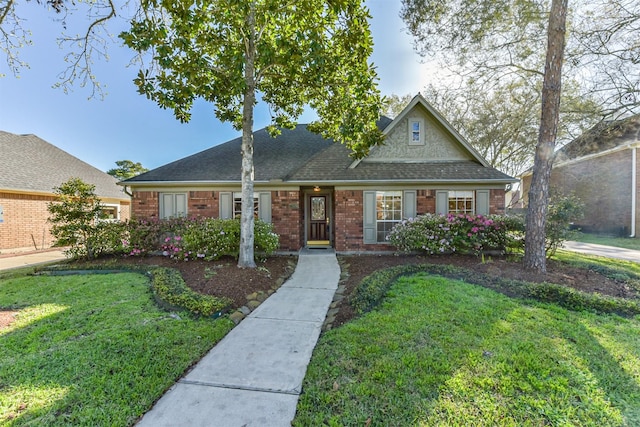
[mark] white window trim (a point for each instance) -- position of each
(112, 205)
(237, 198)
(462, 195)
(421, 138)
(391, 221)
(162, 213)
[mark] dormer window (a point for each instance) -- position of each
(416, 132)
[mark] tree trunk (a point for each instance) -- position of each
(246, 256)
(534, 251)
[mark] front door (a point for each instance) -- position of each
(318, 232)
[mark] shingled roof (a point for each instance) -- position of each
(34, 165)
(301, 156)
(602, 137)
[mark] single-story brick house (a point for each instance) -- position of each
(317, 196)
(602, 168)
(31, 168)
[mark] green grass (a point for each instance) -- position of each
(619, 242)
(92, 350)
(443, 352)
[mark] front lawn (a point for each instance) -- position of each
(445, 352)
(92, 349)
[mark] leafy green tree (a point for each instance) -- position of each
(74, 216)
(501, 38)
(291, 54)
(127, 169)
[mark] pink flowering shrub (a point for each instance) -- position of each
(439, 234)
(212, 238)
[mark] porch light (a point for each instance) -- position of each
(316, 188)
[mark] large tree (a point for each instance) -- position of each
(288, 53)
(127, 169)
(491, 42)
(535, 250)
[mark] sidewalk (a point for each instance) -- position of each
(601, 250)
(253, 377)
(11, 261)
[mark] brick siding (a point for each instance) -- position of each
(203, 204)
(287, 212)
(145, 205)
(25, 223)
(604, 186)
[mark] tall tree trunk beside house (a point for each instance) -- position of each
(534, 253)
(246, 255)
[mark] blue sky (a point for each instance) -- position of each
(126, 125)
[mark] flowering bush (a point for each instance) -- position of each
(212, 238)
(462, 233)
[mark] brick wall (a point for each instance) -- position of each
(349, 217)
(287, 211)
(145, 205)
(497, 200)
(604, 186)
(203, 203)
(25, 225)
(349, 223)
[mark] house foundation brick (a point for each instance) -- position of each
(604, 186)
(287, 211)
(25, 225)
(145, 205)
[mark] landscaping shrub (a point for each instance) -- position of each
(474, 234)
(373, 288)
(562, 212)
(169, 287)
(75, 215)
(212, 238)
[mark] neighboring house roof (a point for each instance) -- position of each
(32, 165)
(300, 156)
(602, 137)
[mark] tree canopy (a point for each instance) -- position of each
(490, 42)
(127, 169)
(287, 54)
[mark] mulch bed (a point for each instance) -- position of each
(224, 279)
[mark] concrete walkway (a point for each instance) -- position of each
(601, 250)
(11, 261)
(253, 377)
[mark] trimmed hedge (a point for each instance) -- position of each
(373, 288)
(169, 286)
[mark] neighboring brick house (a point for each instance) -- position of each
(602, 168)
(31, 168)
(317, 196)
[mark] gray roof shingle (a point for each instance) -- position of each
(299, 155)
(31, 164)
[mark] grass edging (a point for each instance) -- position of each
(169, 287)
(370, 292)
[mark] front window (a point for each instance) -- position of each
(461, 202)
(416, 132)
(237, 205)
(173, 205)
(109, 213)
(388, 212)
